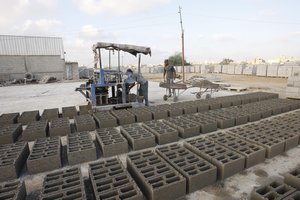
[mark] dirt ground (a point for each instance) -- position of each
(56, 95)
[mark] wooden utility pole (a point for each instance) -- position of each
(182, 44)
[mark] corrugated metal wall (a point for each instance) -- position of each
(31, 45)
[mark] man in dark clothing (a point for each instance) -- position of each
(169, 70)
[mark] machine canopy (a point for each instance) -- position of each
(132, 49)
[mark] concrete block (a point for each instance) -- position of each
(190, 108)
(294, 196)
(292, 178)
(69, 112)
(197, 171)
(123, 116)
(35, 130)
(29, 116)
(12, 160)
(105, 119)
(110, 180)
(241, 119)
(84, 123)
(50, 114)
(60, 127)
(163, 133)
(158, 112)
(156, 178)
(137, 136)
(227, 161)
(273, 190)
(64, 184)
(9, 133)
(111, 142)
(141, 114)
(185, 127)
(9, 118)
(45, 155)
(80, 148)
(85, 109)
(14, 190)
(206, 124)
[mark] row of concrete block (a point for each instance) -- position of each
(48, 114)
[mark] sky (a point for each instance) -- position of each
(238, 29)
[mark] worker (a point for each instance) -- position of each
(170, 71)
(138, 77)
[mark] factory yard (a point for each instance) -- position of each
(20, 98)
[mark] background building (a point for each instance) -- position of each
(39, 56)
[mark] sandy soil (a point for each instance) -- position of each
(38, 97)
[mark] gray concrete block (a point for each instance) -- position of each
(206, 123)
(9, 133)
(158, 112)
(63, 184)
(84, 123)
(60, 127)
(105, 119)
(141, 114)
(111, 142)
(163, 133)
(293, 196)
(45, 155)
(14, 190)
(12, 160)
(123, 116)
(35, 130)
(155, 177)
(50, 114)
(137, 136)
(69, 112)
(80, 148)
(9, 118)
(185, 127)
(29, 116)
(197, 171)
(85, 109)
(110, 180)
(292, 178)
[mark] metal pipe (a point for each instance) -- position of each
(119, 60)
(109, 59)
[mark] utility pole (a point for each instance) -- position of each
(182, 44)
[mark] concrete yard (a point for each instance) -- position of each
(20, 98)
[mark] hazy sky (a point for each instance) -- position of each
(214, 29)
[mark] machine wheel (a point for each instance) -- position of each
(208, 96)
(165, 97)
(198, 95)
(175, 98)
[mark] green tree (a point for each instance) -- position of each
(226, 61)
(176, 60)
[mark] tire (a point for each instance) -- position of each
(198, 95)
(208, 96)
(165, 97)
(28, 76)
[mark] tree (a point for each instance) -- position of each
(226, 61)
(176, 60)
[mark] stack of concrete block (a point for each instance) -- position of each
(84, 123)
(69, 112)
(123, 116)
(110, 180)
(85, 109)
(253, 153)
(213, 104)
(171, 109)
(293, 84)
(13, 190)
(105, 119)
(163, 133)
(273, 146)
(197, 171)
(158, 112)
(224, 120)
(9, 118)
(60, 127)
(45, 155)
(35, 130)
(190, 107)
(80, 148)
(64, 184)
(292, 178)
(291, 139)
(50, 114)
(111, 142)
(202, 105)
(185, 127)
(137, 136)
(272, 70)
(12, 160)
(273, 190)
(228, 162)
(141, 114)
(156, 178)
(262, 70)
(10, 133)
(207, 124)
(29, 116)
